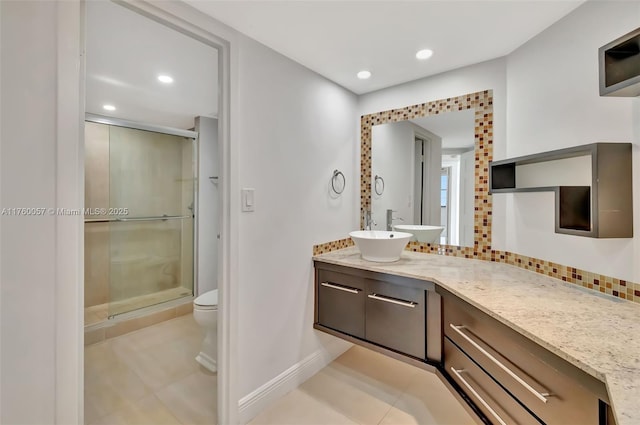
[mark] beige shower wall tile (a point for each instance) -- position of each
(149, 164)
(96, 162)
(96, 264)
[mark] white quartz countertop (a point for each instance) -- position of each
(597, 333)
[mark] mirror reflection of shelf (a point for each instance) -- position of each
(592, 185)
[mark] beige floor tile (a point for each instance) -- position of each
(161, 364)
(400, 417)
(192, 399)
(375, 368)
(427, 401)
(112, 389)
(178, 328)
(299, 408)
(362, 400)
(98, 358)
(147, 411)
(120, 374)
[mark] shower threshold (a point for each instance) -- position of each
(97, 314)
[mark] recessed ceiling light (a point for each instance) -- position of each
(165, 79)
(424, 54)
(363, 75)
(108, 107)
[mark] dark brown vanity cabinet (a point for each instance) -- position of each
(384, 310)
(342, 301)
(395, 317)
(479, 352)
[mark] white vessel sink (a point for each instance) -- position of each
(421, 233)
(380, 246)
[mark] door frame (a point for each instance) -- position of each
(70, 108)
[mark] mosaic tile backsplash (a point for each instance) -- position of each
(594, 281)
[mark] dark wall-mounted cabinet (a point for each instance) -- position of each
(619, 63)
(387, 311)
(604, 209)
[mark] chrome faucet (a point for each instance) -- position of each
(368, 220)
(390, 219)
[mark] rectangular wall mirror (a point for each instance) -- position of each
(426, 166)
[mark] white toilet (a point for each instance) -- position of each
(205, 313)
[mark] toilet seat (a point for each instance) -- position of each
(207, 301)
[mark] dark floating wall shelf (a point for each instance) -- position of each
(602, 210)
(619, 63)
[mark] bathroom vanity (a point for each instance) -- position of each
(514, 346)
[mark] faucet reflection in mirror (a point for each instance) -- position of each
(437, 183)
(390, 219)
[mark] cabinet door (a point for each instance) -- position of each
(341, 302)
(396, 317)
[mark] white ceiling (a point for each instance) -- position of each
(339, 38)
(126, 51)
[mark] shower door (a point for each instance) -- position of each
(151, 203)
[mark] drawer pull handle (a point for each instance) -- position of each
(409, 304)
(458, 373)
(540, 396)
(341, 288)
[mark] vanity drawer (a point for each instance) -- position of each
(341, 302)
(496, 404)
(396, 317)
(549, 386)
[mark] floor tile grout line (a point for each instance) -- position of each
(386, 413)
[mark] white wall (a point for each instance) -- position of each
(552, 103)
(290, 129)
(392, 158)
(489, 75)
(208, 204)
(40, 275)
(295, 129)
(26, 321)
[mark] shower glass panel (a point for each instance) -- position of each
(151, 196)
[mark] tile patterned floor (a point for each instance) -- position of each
(366, 388)
(150, 377)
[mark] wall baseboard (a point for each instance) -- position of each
(260, 399)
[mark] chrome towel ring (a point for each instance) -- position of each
(337, 175)
(378, 181)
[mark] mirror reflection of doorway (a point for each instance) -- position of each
(445, 197)
(419, 181)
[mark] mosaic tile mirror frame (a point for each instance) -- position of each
(482, 105)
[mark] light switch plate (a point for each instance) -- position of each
(248, 199)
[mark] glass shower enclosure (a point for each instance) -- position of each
(139, 220)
